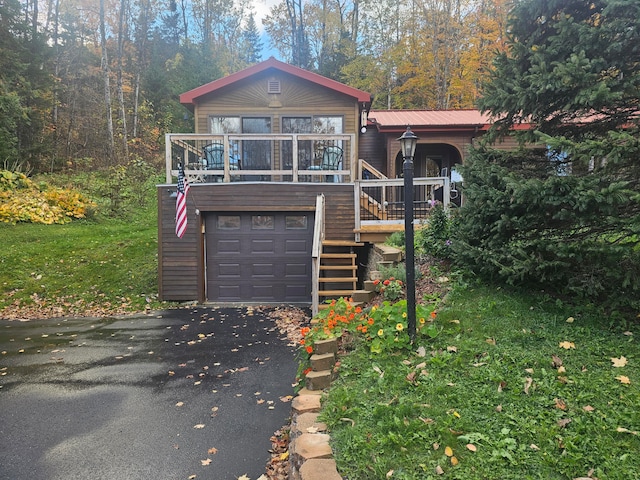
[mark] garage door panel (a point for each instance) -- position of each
(296, 270)
(229, 270)
(228, 246)
(259, 257)
(263, 246)
(296, 246)
(262, 270)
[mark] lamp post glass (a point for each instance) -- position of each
(408, 141)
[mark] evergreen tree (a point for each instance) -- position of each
(252, 44)
(565, 216)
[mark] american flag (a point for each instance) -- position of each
(181, 203)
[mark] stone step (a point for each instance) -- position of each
(362, 295)
(319, 469)
(318, 380)
(306, 404)
(329, 345)
(324, 361)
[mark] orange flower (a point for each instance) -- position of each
(376, 281)
(433, 314)
(370, 321)
(364, 329)
(352, 316)
(302, 342)
(309, 349)
(358, 309)
(386, 282)
(306, 370)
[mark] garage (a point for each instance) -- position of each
(258, 256)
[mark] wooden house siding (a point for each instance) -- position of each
(181, 260)
(297, 98)
(372, 150)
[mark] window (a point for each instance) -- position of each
(262, 222)
(310, 153)
(254, 154)
(228, 222)
(296, 222)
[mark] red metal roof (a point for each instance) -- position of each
(398, 120)
(190, 97)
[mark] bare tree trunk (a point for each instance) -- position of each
(123, 110)
(107, 86)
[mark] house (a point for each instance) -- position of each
(292, 177)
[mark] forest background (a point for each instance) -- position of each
(94, 84)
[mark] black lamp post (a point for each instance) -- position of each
(408, 141)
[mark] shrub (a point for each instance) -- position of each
(24, 201)
(434, 237)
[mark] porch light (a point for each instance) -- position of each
(408, 141)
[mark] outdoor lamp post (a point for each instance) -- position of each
(408, 141)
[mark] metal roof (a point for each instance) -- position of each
(398, 120)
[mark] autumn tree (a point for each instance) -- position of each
(564, 216)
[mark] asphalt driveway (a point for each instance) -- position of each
(187, 393)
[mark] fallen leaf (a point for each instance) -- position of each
(452, 349)
(527, 384)
(570, 320)
(624, 379)
(499, 408)
(567, 345)
(533, 446)
(561, 369)
(244, 477)
(556, 361)
(205, 462)
(191, 477)
(454, 461)
(471, 447)
(179, 404)
(439, 470)
(448, 451)
(491, 341)
(479, 364)
(199, 426)
(436, 446)
(561, 404)
(212, 451)
(619, 362)
(389, 474)
(564, 422)
(625, 430)
(284, 455)
(529, 370)
(588, 408)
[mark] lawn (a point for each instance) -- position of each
(505, 385)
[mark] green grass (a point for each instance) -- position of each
(106, 264)
(470, 388)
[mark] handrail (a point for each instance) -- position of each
(191, 145)
(316, 252)
(364, 165)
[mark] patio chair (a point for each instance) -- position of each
(214, 160)
(331, 160)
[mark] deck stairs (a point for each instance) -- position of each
(338, 271)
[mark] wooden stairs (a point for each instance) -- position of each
(339, 271)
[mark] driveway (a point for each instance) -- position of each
(186, 393)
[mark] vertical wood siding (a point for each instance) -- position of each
(181, 267)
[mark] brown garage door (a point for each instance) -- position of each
(261, 257)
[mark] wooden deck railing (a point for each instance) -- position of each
(316, 252)
(382, 201)
(260, 157)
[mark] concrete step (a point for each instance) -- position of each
(338, 279)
